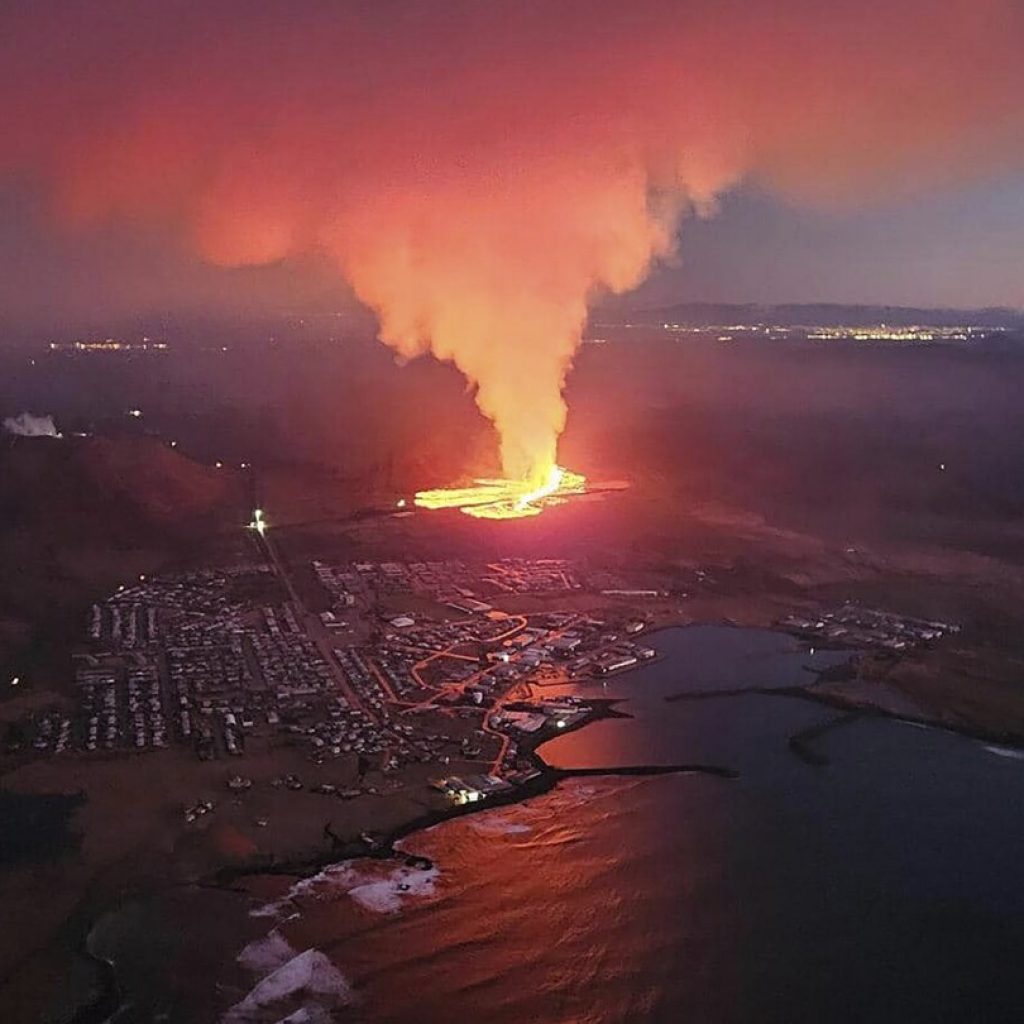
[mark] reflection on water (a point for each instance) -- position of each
(881, 887)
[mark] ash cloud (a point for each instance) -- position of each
(479, 171)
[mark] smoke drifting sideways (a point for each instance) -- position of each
(25, 424)
(478, 172)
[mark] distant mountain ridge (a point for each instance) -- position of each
(713, 314)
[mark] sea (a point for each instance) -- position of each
(36, 827)
(881, 880)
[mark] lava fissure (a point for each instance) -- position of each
(506, 499)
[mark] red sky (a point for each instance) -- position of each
(479, 172)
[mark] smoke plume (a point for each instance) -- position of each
(479, 171)
(27, 425)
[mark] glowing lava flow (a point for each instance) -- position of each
(506, 499)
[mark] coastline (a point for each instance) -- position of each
(109, 998)
(546, 779)
(338, 850)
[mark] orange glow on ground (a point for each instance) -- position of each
(506, 499)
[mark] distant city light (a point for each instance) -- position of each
(15, 680)
(135, 413)
(913, 334)
(109, 345)
(400, 503)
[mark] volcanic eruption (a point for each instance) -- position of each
(478, 172)
(506, 499)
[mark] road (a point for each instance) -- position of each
(311, 623)
(325, 641)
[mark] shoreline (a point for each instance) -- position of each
(866, 709)
(108, 1001)
(547, 778)
(109, 997)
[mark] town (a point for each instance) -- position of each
(378, 675)
(854, 626)
(221, 663)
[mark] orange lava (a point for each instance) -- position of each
(506, 499)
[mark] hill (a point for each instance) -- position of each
(106, 489)
(80, 515)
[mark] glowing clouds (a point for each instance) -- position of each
(491, 269)
(479, 171)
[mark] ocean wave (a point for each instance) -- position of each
(497, 823)
(306, 989)
(379, 886)
(262, 956)
(387, 895)
(1010, 752)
